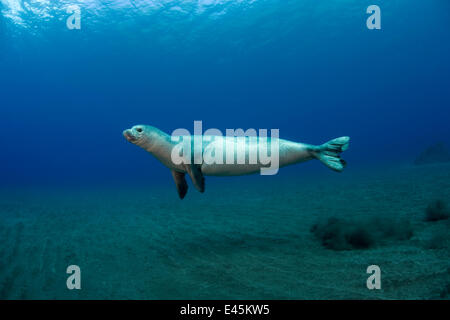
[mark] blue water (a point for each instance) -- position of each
(309, 68)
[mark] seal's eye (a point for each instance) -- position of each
(139, 130)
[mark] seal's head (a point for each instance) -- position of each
(147, 137)
(136, 134)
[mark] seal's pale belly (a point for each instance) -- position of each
(230, 169)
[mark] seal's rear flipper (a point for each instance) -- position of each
(328, 153)
(196, 175)
(180, 182)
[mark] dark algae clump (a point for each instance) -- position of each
(437, 210)
(339, 234)
(359, 238)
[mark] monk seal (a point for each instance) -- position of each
(162, 146)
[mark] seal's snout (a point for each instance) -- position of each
(129, 135)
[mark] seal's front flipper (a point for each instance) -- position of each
(180, 182)
(328, 153)
(196, 175)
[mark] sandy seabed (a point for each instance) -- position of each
(242, 239)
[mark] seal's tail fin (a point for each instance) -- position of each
(328, 153)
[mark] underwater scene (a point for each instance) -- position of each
(116, 176)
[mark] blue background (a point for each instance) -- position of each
(310, 68)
